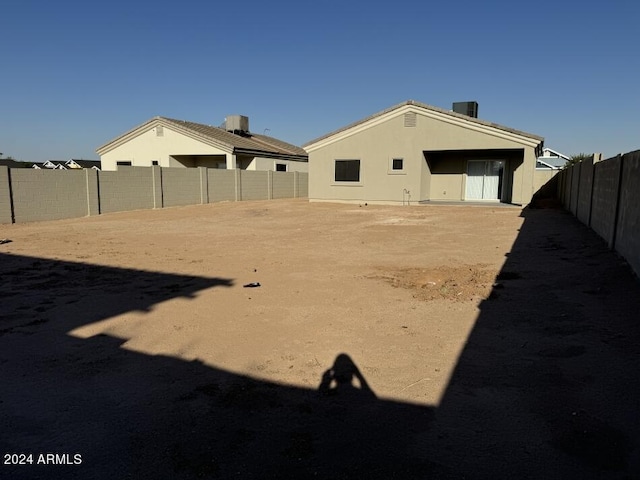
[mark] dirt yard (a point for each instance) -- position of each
(382, 342)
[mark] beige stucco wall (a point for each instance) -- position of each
(448, 181)
(377, 142)
(541, 177)
(142, 149)
(174, 149)
(261, 163)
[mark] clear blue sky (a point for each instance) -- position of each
(77, 73)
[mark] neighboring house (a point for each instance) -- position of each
(49, 164)
(176, 143)
(79, 163)
(551, 160)
(72, 164)
(414, 152)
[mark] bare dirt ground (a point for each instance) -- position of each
(383, 342)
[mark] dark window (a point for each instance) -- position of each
(281, 167)
(154, 162)
(124, 163)
(398, 164)
(347, 170)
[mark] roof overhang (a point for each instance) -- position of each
(266, 154)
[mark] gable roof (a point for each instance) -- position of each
(434, 111)
(552, 162)
(83, 163)
(248, 143)
(548, 153)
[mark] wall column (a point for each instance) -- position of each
(93, 192)
(156, 173)
(204, 185)
(6, 202)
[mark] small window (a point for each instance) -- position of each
(159, 131)
(281, 167)
(347, 171)
(155, 162)
(123, 163)
(397, 164)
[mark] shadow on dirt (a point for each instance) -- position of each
(546, 387)
(131, 415)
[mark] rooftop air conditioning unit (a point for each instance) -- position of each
(470, 109)
(237, 124)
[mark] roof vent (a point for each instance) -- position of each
(410, 119)
(238, 124)
(470, 109)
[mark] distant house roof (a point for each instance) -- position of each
(548, 153)
(246, 143)
(551, 159)
(554, 163)
(76, 163)
(429, 108)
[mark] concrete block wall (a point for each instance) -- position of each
(92, 191)
(575, 189)
(129, 188)
(627, 237)
(28, 195)
(612, 201)
(181, 186)
(222, 185)
(605, 198)
(6, 210)
(254, 185)
(48, 194)
(583, 207)
(565, 186)
(282, 186)
(302, 180)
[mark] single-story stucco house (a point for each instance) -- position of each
(413, 152)
(177, 143)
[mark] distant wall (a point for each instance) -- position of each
(542, 177)
(605, 195)
(28, 195)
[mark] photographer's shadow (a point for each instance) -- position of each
(344, 379)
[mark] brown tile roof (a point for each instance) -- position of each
(247, 143)
(426, 107)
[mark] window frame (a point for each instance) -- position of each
(396, 171)
(336, 181)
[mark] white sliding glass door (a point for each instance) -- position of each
(484, 179)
